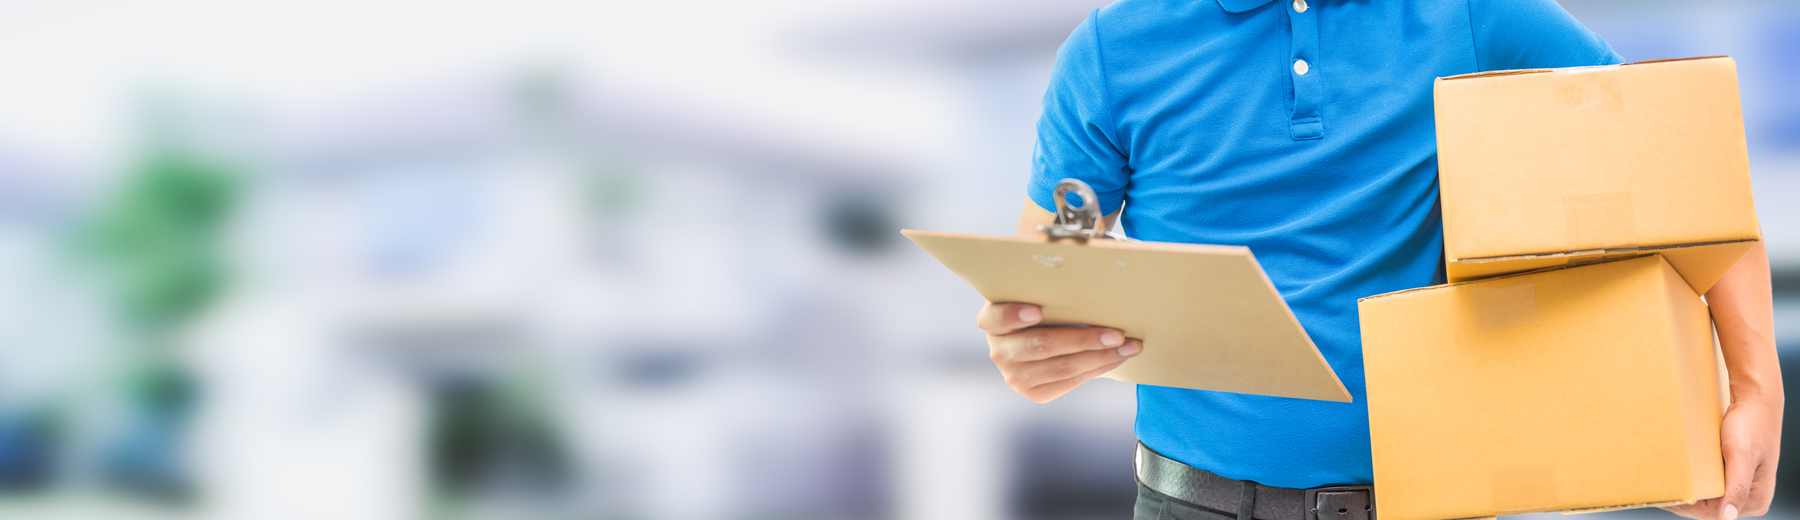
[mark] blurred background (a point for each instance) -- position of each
(548, 259)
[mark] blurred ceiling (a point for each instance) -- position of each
(955, 32)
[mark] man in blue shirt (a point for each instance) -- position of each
(1304, 130)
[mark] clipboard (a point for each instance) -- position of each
(1208, 316)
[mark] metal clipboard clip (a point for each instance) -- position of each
(1080, 223)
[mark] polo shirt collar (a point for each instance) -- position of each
(1238, 6)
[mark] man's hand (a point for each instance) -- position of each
(1043, 363)
(1751, 441)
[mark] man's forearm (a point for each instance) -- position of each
(1743, 313)
(1750, 434)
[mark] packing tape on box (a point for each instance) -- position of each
(1590, 89)
(1520, 489)
(1503, 303)
(1600, 220)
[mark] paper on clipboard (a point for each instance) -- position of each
(1208, 316)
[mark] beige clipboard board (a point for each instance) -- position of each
(1208, 315)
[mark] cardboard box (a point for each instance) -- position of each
(1550, 167)
(1579, 388)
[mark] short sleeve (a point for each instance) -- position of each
(1076, 135)
(1533, 34)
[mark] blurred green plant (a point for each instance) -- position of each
(159, 239)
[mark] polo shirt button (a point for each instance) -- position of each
(1300, 67)
(1299, 6)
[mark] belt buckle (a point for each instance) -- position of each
(1312, 499)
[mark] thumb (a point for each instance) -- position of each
(1740, 471)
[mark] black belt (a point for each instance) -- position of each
(1248, 500)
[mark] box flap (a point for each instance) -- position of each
(1701, 264)
(1490, 279)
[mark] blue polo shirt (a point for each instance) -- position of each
(1302, 129)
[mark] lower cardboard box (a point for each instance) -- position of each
(1580, 388)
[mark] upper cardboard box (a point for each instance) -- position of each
(1548, 167)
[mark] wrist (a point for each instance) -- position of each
(1756, 395)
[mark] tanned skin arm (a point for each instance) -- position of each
(1743, 314)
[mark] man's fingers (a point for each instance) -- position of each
(1740, 473)
(1069, 366)
(1072, 366)
(1048, 342)
(1006, 318)
(1045, 362)
(1703, 509)
(1046, 392)
(1762, 491)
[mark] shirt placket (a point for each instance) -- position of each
(1305, 122)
